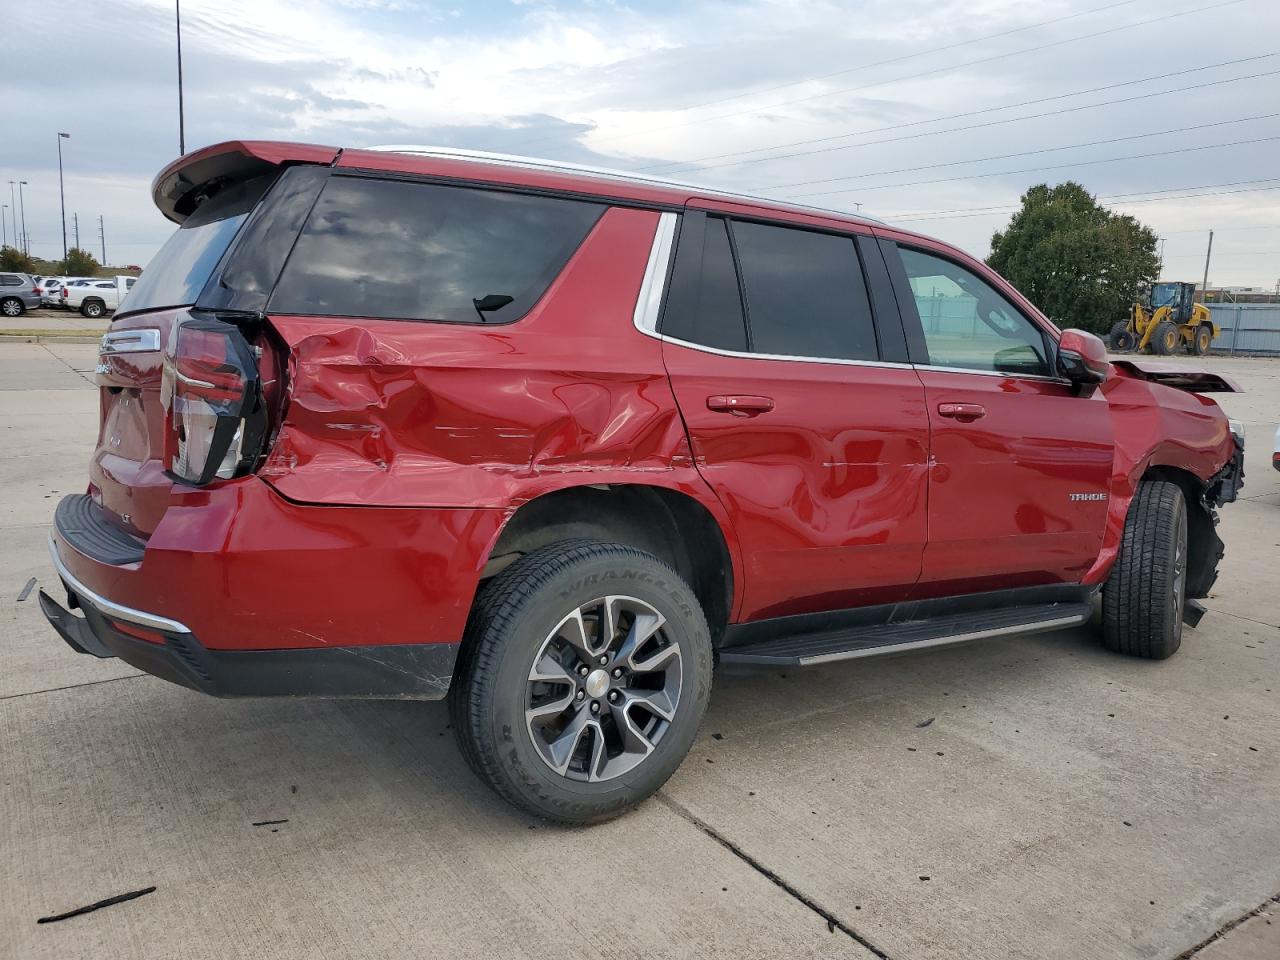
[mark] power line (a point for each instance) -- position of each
(996, 123)
(963, 212)
(1009, 173)
(952, 116)
(914, 76)
(908, 56)
(1024, 153)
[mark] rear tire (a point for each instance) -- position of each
(1165, 339)
(12, 307)
(1203, 340)
(92, 308)
(1121, 339)
(1143, 597)
(581, 745)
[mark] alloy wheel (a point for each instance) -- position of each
(12, 308)
(603, 689)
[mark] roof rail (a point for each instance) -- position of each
(606, 173)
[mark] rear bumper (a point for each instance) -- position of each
(167, 649)
(239, 592)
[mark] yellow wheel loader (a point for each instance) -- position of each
(1166, 318)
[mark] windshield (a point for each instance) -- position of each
(1165, 294)
(176, 275)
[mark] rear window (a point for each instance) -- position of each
(414, 251)
(176, 275)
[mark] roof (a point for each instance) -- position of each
(180, 186)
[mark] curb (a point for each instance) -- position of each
(49, 337)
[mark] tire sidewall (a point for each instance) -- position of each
(503, 716)
(7, 304)
(92, 309)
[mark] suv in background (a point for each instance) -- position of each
(19, 293)
(552, 442)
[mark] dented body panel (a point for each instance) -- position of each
(399, 451)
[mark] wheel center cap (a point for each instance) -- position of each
(597, 684)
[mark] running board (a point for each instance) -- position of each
(808, 649)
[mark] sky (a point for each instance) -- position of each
(931, 114)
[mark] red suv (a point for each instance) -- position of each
(552, 442)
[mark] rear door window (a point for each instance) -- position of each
(414, 251)
(805, 293)
(708, 310)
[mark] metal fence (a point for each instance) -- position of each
(1247, 328)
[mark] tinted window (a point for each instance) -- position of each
(9, 280)
(805, 293)
(709, 311)
(176, 275)
(414, 251)
(968, 323)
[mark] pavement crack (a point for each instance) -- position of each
(78, 373)
(833, 922)
(72, 686)
(1226, 928)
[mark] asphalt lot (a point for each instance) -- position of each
(1064, 802)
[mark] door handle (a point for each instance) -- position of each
(739, 405)
(964, 412)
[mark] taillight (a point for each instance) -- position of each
(211, 392)
(64, 293)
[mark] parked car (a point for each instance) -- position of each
(1275, 456)
(93, 298)
(18, 294)
(51, 290)
(551, 442)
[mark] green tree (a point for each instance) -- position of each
(11, 258)
(1077, 261)
(79, 263)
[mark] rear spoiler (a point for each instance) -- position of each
(1190, 379)
(184, 184)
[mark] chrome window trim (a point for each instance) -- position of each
(654, 284)
(145, 340)
(109, 607)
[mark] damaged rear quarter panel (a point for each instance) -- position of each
(406, 413)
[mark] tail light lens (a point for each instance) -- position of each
(211, 391)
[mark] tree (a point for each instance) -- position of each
(11, 258)
(1077, 261)
(79, 263)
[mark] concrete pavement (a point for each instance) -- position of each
(1063, 803)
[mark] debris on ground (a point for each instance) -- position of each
(110, 901)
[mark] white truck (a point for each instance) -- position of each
(97, 297)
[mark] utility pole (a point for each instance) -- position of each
(1205, 286)
(75, 218)
(182, 135)
(22, 203)
(1162, 240)
(4, 233)
(13, 211)
(102, 235)
(62, 193)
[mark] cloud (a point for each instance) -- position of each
(632, 85)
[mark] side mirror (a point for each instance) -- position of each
(1082, 360)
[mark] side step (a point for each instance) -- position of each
(808, 649)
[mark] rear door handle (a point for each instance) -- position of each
(964, 412)
(740, 405)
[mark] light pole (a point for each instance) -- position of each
(13, 212)
(62, 193)
(182, 136)
(22, 203)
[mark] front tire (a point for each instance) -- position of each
(582, 681)
(1143, 597)
(12, 307)
(1164, 341)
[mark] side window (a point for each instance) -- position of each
(805, 293)
(9, 280)
(708, 312)
(968, 323)
(416, 251)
